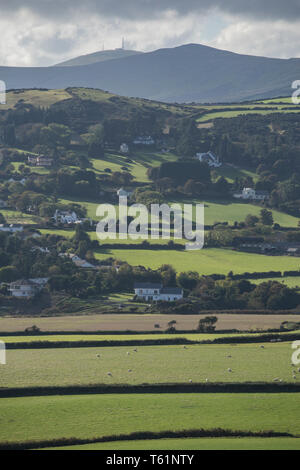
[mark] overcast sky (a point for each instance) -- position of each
(44, 32)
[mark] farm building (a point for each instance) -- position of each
(123, 193)
(144, 140)
(124, 148)
(210, 158)
(253, 194)
(39, 160)
(65, 217)
(12, 228)
(156, 292)
(27, 288)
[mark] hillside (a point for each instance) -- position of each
(100, 56)
(183, 74)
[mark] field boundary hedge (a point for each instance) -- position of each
(102, 389)
(142, 435)
(152, 342)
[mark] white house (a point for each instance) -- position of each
(65, 217)
(152, 292)
(79, 262)
(144, 140)
(123, 193)
(210, 158)
(12, 228)
(252, 194)
(27, 288)
(39, 160)
(124, 148)
(22, 181)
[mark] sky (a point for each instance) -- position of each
(46, 32)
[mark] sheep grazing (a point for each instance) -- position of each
(129, 370)
(262, 346)
(128, 353)
(190, 381)
(109, 374)
(98, 355)
(276, 380)
(229, 370)
(184, 347)
(229, 356)
(206, 380)
(294, 377)
(135, 350)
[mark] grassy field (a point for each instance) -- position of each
(231, 114)
(288, 281)
(37, 98)
(206, 262)
(90, 416)
(146, 322)
(16, 217)
(140, 162)
(196, 337)
(229, 211)
(225, 443)
(150, 364)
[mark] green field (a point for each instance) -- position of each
(16, 217)
(225, 443)
(288, 281)
(141, 161)
(206, 262)
(232, 114)
(150, 364)
(43, 98)
(90, 416)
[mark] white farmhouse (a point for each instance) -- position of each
(144, 140)
(27, 288)
(252, 194)
(65, 217)
(123, 193)
(152, 292)
(210, 158)
(11, 228)
(124, 148)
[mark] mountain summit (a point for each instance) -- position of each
(100, 56)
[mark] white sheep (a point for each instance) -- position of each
(229, 370)
(128, 353)
(190, 381)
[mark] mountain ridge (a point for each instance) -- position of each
(187, 73)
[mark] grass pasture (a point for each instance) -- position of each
(145, 322)
(150, 364)
(90, 416)
(39, 98)
(206, 262)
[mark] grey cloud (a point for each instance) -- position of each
(148, 9)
